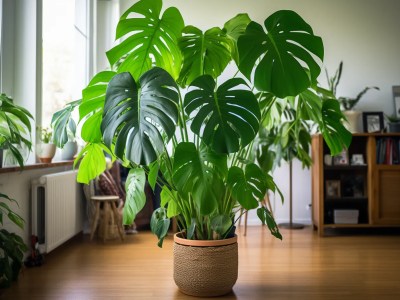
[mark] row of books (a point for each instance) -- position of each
(388, 151)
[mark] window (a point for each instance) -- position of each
(65, 59)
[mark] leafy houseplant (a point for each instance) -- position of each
(346, 103)
(198, 144)
(15, 126)
(46, 149)
(14, 132)
(393, 123)
(64, 128)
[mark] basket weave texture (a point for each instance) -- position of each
(205, 271)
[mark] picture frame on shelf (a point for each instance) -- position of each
(341, 159)
(332, 188)
(396, 99)
(373, 121)
(357, 160)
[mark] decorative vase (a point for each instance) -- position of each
(45, 152)
(353, 118)
(69, 150)
(205, 268)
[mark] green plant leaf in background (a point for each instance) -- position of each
(195, 172)
(226, 118)
(280, 60)
(168, 198)
(159, 224)
(91, 108)
(5, 209)
(248, 187)
(329, 118)
(62, 123)
(150, 41)
(267, 219)
(92, 162)
(141, 121)
(207, 53)
(234, 28)
(221, 224)
(135, 196)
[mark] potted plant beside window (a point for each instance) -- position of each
(45, 150)
(162, 112)
(15, 129)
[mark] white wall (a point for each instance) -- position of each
(17, 185)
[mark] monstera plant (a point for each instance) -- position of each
(164, 112)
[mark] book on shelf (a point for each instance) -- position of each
(388, 151)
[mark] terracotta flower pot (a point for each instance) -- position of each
(205, 268)
(45, 152)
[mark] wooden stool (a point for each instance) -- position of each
(108, 202)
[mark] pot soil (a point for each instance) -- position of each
(205, 268)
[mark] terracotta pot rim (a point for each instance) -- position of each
(203, 243)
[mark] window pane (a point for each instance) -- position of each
(64, 56)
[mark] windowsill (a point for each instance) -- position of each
(37, 166)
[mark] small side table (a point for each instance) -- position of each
(109, 209)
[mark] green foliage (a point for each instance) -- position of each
(141, 118)
(63, 124)
(45, 134)
(201, 149)
(151, 39)
(15, 127)
(276, 56)
(347, 103)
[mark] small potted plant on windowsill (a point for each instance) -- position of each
(347, 103)
(45, 150)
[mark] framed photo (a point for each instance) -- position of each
(342, 159)
(373, 121)
(332, 188)
(396, 99)
(357, 160)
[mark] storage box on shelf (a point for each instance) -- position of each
(361, 187)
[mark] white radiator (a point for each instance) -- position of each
(57, 209)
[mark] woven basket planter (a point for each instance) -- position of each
(205, 268)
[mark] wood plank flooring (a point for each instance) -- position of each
(302, 266)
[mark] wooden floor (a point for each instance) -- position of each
(302, 266)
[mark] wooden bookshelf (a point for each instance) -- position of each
(371, 190)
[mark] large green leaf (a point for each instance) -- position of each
(234, 28)
(248, 187)
(199, 173)
(207, 53)
(267, 219)
(281, 60)
(14, 217)
(91, 108)
(135, 196)
(151, 39)
(327, 114)
(169, 197)
(63, 124)
(226, 118)
(159, 224)
(92, 162)
(140, 120)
